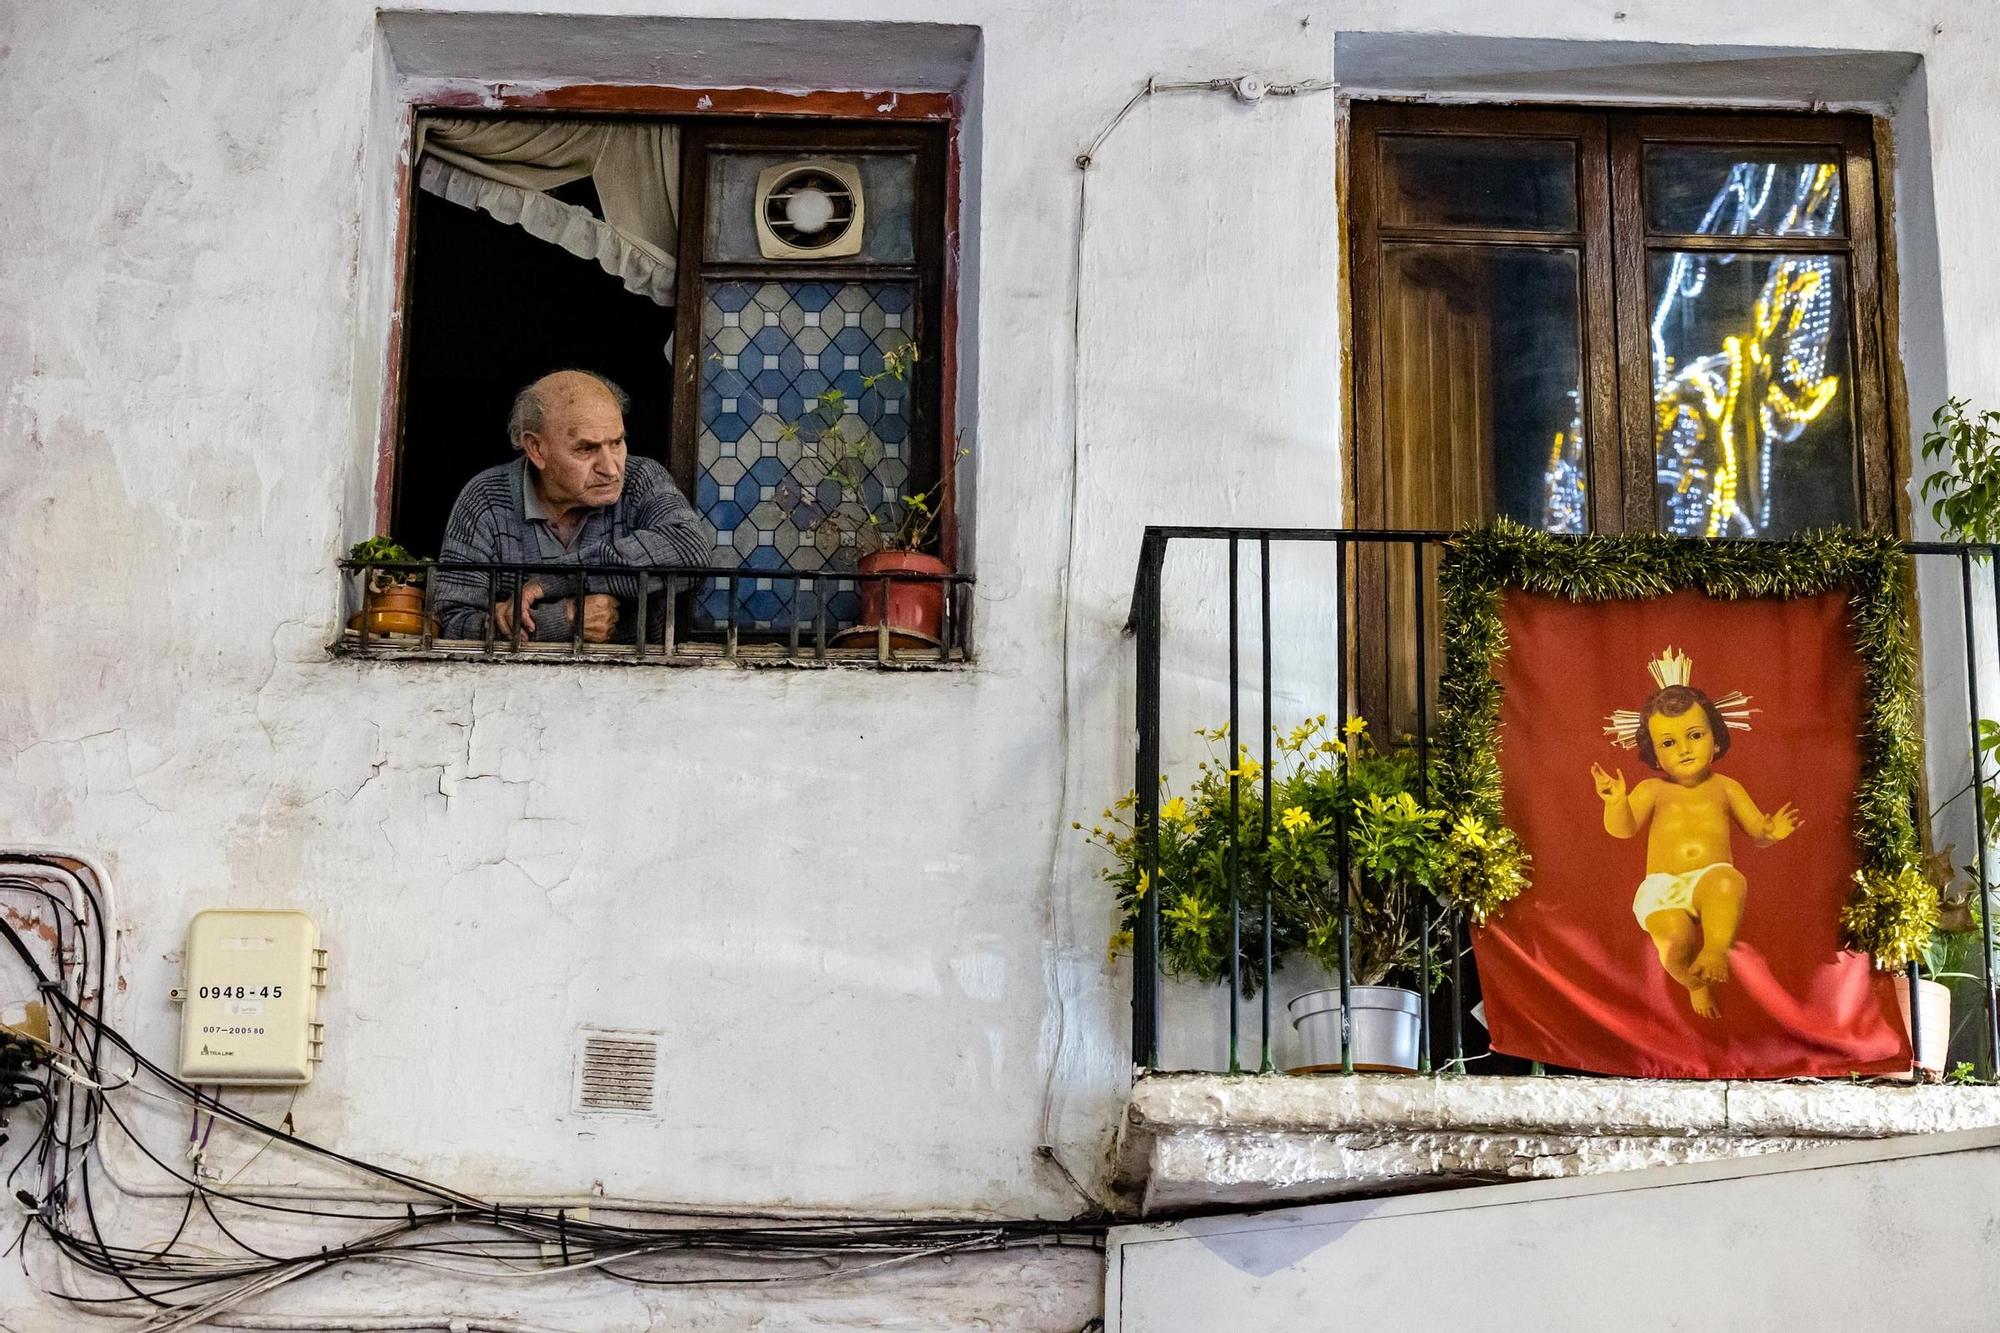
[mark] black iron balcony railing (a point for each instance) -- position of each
(391, 610)
(1379, 585)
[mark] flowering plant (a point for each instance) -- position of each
(1327, 786)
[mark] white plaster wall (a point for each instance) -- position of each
(850, 901)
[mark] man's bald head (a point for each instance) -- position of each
(553, 396)
(570, 426)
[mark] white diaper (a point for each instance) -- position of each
(1664, 892)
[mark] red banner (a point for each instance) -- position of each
(1684, 920)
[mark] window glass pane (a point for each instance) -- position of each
(1482, 374)
(1760, 190)
(769, 349)
(1751, 386)
(888, 204)
(1463, 181)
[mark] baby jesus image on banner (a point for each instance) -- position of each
(1691, 900)
(1682, 771)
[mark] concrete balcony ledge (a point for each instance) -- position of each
(1192, 1140)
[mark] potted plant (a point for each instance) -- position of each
(1398, 849)
(1965, 504)
(392, 600)
(1952, 976)
(835, 477)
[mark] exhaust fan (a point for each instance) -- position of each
(809, 210)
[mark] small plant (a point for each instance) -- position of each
(1964, 492)
(385, 550)
(1965, 503)
(843, 453)
(1325, 784)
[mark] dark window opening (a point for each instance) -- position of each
(491, 309)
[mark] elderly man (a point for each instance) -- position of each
(573, 497)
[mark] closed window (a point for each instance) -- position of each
(1612, 322)
(1604, 322)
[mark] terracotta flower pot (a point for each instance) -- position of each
(914, 612)
(398, 609)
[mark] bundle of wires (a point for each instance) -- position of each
(76, 1092)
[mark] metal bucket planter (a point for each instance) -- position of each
(1385, 1034)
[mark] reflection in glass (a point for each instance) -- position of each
(1752, 434)
(1462, 181)
(1482, 374)
(1767, 190)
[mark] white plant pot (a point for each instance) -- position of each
(1385, 1031)
(1929, 1045)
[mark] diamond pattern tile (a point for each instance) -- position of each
(769, 350)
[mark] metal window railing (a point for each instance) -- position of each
(1388, 556)
(370, 629)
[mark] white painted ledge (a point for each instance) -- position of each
(1190, 1140)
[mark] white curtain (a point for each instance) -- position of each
(504, 167)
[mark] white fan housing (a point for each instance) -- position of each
(810, 209)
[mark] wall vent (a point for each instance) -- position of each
(617, 1073)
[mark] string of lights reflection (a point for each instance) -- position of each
(1726, 415)
(76, 1093)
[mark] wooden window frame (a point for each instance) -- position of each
(925, 272)
(1614, 245)
(841, 113)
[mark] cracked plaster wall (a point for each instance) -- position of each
(831, 892)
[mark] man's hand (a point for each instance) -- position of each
(1610, 788)
(600, 617)
(1782, 823)
(503, 611)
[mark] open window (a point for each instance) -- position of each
(769, 293)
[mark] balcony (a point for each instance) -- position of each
(674, 616)
(1241, 632)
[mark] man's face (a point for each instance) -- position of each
(1684, 746)
(580, 450)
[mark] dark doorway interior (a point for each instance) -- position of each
(490, 309)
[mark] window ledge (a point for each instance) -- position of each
(748, 656)
(1193, 1140)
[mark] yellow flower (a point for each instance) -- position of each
(1355, 726)
(1145, 883)
(1473, 831)
(1296, 820)
(1176, 811)
(1120, 942)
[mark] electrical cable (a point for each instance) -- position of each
(67, 1082)
(1245, 88)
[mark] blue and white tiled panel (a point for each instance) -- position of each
(768, 350)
